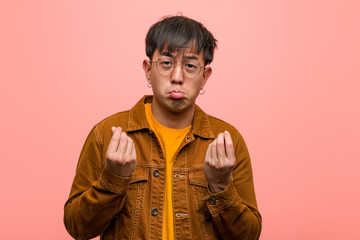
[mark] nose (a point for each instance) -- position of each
(177, 75)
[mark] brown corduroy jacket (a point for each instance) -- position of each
(102, 203)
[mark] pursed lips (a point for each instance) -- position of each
(176, 94)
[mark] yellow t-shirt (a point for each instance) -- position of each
(170, 140)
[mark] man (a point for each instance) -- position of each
(165, 169)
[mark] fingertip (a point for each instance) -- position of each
(124, 137)
(220, 139)
(113, 129)
(120, 130)
(227, 135)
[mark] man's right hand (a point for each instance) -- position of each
(121, 154)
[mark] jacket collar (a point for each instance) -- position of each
(137, 119)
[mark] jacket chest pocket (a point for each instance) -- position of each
(135, 194)
(199, 187)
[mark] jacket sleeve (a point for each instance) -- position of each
(96, 196)
(234, 210)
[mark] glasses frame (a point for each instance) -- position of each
(182, 67)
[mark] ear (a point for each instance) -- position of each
(207, 73)
(147, 67)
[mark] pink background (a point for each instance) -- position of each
(286, 74)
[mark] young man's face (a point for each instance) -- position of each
(176, 91)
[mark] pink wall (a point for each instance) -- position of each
(290, 69)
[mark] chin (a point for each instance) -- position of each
(180, 105)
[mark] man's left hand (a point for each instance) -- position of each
(219, 162)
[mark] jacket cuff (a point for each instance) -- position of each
(218, 201)
(112, 182)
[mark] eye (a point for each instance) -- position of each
(190, 66)
(166, 63)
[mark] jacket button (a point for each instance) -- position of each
(212, 201)
(154, 211)
(156, 173)
(187, 138)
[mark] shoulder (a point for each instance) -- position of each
(119, 119)
(219, 126)
(102, 130)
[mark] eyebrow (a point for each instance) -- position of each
(192, 57)
(168, 54)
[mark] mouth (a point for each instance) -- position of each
(176, 94)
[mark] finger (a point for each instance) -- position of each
(122, 145)
(220, 148)
(214, 159)
(113, 129)
(229, 146)
(114, 141)
(128, 151)
(133, 151)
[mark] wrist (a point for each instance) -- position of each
(215, 188)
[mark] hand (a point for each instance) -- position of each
(121, 154)
(219, 162)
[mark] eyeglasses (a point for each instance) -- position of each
(166, 65)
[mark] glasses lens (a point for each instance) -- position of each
(165, 65)
(191, 67)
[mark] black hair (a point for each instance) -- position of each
(178, 32)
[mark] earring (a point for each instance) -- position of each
(202, 92)
(148, 85)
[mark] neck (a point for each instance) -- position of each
(172, 119)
